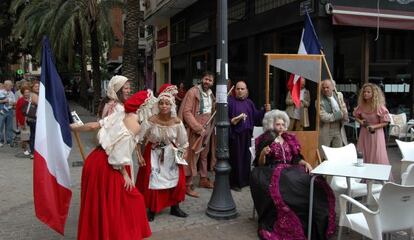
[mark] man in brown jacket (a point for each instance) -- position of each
(196, 108)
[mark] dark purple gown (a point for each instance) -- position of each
(240, 137)
(280, 192)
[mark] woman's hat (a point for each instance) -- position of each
(114, 85)
(168, 88)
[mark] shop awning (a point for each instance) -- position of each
(368, 17)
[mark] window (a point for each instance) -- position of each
(178, 32)
(199, 28)
(150, 30)
(237, 12)
(266, 5)
(142, 32)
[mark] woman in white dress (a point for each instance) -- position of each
(161, 176)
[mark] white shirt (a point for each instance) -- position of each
(207, 101)
(10, 96)
(334, 104)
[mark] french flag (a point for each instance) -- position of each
(53, 142)
(309, 44)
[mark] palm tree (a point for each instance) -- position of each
(130, 58)
(70, 25)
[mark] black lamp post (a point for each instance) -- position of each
(221, 204)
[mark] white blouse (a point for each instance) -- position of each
(156, 133)
(117, 141)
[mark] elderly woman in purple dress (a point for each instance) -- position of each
(280, 186)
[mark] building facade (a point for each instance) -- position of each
(362, 43)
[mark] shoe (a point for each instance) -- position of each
(176, 211)
(31, 156)
(190, 192)
(236, 189)
(205, 183)
(1, 144)
(150, 216)
(26, 153)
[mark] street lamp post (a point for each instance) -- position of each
(221, 204)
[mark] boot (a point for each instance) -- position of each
(150, 215)
(190, 192)
(205, 183)
(176, 211)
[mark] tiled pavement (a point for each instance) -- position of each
(17, 219)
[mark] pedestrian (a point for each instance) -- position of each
(280, 186)
(111, 207)
(372, 115)
(197, 107)
(119, 90)
(21, 113)
(161, 177)
(333, 114)
(31, 116)
(180, 95)
(8, 101)
(243, 116)
(298, 115)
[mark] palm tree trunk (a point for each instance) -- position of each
(84, 83)
(96, 74)
(130, 65)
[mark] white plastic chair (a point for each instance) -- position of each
(407, 178)
(407, 152)
(398, 126)
(347, 155)
(394, 213)
(257, 131)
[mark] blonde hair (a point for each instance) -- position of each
(378, 98)
(270, 117)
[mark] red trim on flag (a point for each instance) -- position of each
(51, 200)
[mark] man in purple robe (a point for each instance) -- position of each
(243, 116)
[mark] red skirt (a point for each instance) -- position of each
(108, 210)
(157, 200)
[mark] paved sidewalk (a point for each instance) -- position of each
(17, 219)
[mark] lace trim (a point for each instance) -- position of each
(287, 224)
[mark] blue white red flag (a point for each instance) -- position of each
(309, 44)
(53, 142)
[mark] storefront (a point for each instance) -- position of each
(359, 46)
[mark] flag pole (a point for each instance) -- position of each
(327, 68)
(267, 90)
(80, 146)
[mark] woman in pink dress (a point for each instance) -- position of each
(373, 116)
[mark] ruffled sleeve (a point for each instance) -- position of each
(357, 112)
(114, 139)
(383, 114)
(182, 139)
(145, 126)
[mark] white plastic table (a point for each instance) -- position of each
(377, 172)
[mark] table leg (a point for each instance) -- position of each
(348, 192)
(310, 206)
(370, 198)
